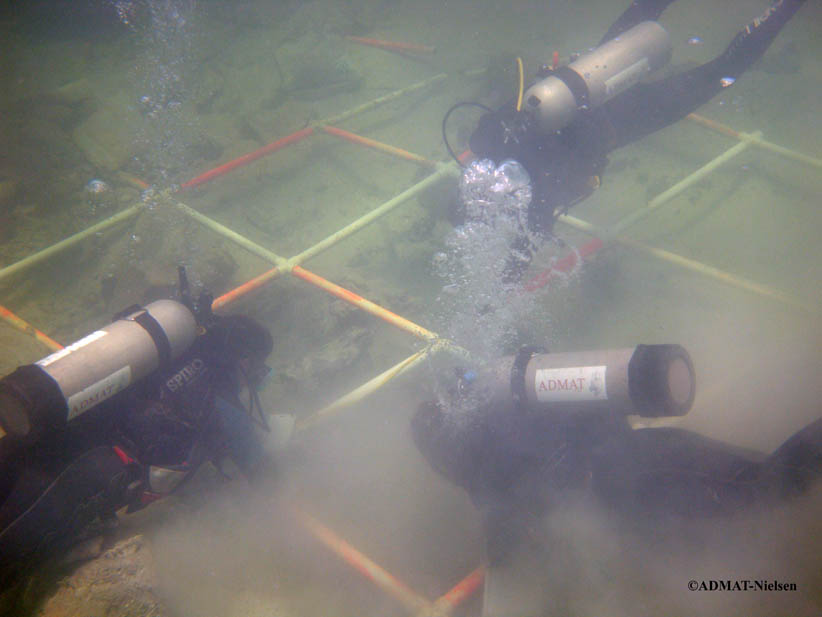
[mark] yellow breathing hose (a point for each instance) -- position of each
(521, 78)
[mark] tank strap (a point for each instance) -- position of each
(521, 360)
(576, 84)
(145, 320)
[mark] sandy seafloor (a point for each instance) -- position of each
(757, 358)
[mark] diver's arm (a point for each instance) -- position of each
(453, 446)
(646, 108)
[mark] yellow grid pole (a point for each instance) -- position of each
(366, 389)
(132, 210)
(720, 275)
(680, 186)
(70, 241)
(232, 235)
(372, 385)
(288, 266)
(444, 170)
(756, 140)
(692, 265)
(381, 100)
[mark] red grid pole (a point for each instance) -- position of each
(27, 328)
(564, 265)
(247, 287)
(349, 296)
(378, 145)
(393, 45)
(248, 158)
(460, 592)
(363, 564)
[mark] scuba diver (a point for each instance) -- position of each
(536, 431)
(562, 128)
(122, 418)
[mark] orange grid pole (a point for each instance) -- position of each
(375, 309)
(297, 136)
(564, 265)
(368, 105)
(378, 145)
(363, 564)
(27, 328)
(133, 180)
(755, 139)
(287, 265)
(248, 158)
(714, 125)
(241, 290)
(392, 45)
(414, 602)
(460, 592)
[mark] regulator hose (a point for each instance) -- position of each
(448, 113)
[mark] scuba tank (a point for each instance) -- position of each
(646, 380)
(598, 76)
(42, 397)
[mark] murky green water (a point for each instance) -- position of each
(163, 91)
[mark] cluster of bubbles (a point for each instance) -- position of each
(126, 11)
(134, 250)
(164, 33)
(480, 303)
(99, 195)
(164, 28)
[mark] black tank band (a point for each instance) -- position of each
(155, 331)
(521, 360)
(576, 84)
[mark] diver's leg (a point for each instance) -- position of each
(639, 11)
(93, 485)
(797, 463)
(646, 108)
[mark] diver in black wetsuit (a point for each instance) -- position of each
(134, 448)
(565, 161)
(530, 433)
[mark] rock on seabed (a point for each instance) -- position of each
(121, 582)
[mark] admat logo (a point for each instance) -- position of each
(561, 385)
(579, 383)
